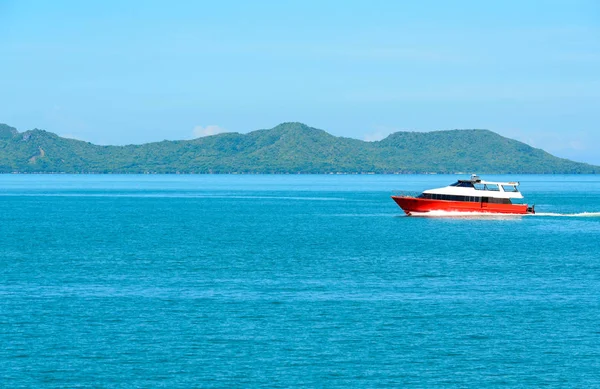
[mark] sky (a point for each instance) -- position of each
(121, 72)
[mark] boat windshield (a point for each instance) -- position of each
(463, 184)
(510, 188)
(480, 186)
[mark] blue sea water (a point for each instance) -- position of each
(293, 281)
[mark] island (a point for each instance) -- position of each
(289, 148)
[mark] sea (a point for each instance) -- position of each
(279, 281)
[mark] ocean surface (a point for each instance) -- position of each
(247, 281)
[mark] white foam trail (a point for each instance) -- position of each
(361, 215)
(466, 214)
(500, 215)
(582, 214)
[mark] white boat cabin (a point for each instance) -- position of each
(476, 190)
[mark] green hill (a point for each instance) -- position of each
(7, 132)
(287, 148)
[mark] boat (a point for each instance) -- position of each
(474, 195)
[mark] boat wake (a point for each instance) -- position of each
(488, 215)
(581, 214)
(461, 214)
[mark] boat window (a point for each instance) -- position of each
(495, 200)
(463, 184)
(492, 187)
(510, 188)
(452, 197)
(479, 186)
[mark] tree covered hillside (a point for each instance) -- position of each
(287, 148)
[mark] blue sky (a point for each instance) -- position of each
(116, 72)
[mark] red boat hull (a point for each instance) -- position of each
(418, 205)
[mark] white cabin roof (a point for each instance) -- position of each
(515, 183)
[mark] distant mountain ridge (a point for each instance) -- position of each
(286, 148)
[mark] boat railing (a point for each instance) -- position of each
(406, 193)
